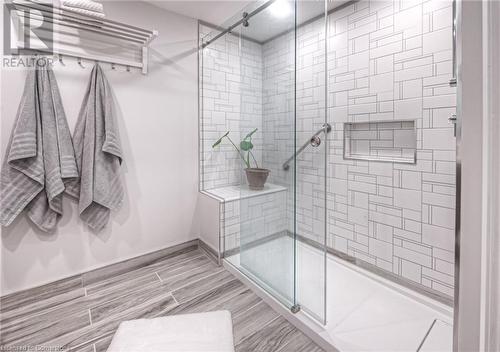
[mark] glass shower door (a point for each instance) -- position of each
(282, 96)
(312, 133)
(267, 216)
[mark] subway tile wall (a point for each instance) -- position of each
(251, 219)
(387, 60)
(279, 113)
(392, 60)
(231, 100)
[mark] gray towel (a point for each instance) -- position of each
(40, 157)
(98, 155)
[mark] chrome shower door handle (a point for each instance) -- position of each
(315, 141)
(453, 119)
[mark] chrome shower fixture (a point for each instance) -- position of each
(245, 21)
(315, 141)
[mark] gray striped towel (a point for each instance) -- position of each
(98, 155)
(40, 157)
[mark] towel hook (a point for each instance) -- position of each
(79, 60)
(128, 68)
(61, 60)
(113, 67)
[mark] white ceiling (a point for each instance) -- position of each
(269, 23)
(215, 12)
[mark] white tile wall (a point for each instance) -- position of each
(410, 207)
(387, 60)
(231, 99)
(253, 218)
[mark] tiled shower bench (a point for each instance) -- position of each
(241, 213)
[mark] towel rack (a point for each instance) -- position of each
(65, 18)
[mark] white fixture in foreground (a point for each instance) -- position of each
(212, 331)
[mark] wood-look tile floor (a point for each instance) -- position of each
(78, 316)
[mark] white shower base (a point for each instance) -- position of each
(364, 311)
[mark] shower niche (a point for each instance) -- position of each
(390, 141)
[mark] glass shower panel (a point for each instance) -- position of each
(282, 228)
(263, 91)
(267, 216)
(312, 134)
(219, 109)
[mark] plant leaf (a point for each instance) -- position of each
(219, 140)
(246, 145)
(250, 134)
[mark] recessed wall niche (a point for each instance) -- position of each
(389, 141)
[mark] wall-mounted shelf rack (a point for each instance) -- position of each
(64, 19)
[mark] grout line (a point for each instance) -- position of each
(175, 299)
(27, 316)
(262, 327)
(91, 341)
(208, 254)
(195, 281)
(184, 261)
(94, 348)
(179, 272)
(255, 305)
(144, 267)
(426, 335)
(90, 317)
(158, 276)
(210, 289)
(161, 262)
(144, 271)
(290, 341)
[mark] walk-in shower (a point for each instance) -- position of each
(355, 227)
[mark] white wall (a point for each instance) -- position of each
(470, 117)
(157, 115)
(490, 313)
(209, 218)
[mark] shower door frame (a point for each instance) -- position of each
(456, 33)
(476, 40)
